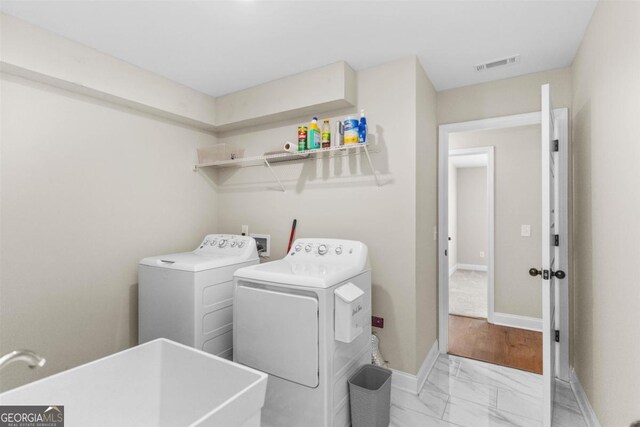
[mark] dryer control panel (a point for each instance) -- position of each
(327, 250)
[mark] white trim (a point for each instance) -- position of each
(443, 236)
(427, 365)
(474, 267)
(491, 224)
(515, 321)
(414, 383)
(492, 123)
(549, 212)
(583, 401)
(562, 121)
(453, 269)
(562, 117)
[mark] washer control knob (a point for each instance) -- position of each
(298, 247)
(206, 242)
(233, 244)
(213, 242)
(339, 250)
(241, 244)
(322, 249)
(307, 248)
(223, 243)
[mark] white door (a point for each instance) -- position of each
(277, 333)
(550, 222)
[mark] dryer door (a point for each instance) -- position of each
(277, 333)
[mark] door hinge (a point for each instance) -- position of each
(556, 240)
(556, 145)
(545, 274)
(557, 336)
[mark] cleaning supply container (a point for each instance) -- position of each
(350, 127)
(314, 137)
(362, 129)
(370, 397)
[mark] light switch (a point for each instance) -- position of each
(525, 230)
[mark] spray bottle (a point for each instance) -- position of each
(362, 128)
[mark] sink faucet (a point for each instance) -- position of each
(28, 356)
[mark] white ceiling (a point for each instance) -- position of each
(219, 47)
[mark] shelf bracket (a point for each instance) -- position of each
(375, 174)
(266, 162)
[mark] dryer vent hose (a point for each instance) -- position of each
(376, 356)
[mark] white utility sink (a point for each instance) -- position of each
(160, 383)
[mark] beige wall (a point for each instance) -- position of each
(503, 97)
(338, 198)
(87, 190)
(313, 92)
(426, 217)
(606, 130)
(38, 54)
(517, 201)
(473, 233)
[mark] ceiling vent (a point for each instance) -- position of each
(498, 63)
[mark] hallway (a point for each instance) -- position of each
(501, 345)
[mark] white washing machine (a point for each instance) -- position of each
(306, 321)
(188, 297)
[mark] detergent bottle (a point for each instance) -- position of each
(315, 135)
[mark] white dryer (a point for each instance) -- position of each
(306, 321)
(188, 297)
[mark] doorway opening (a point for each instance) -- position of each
(490, 235)
(471, 220)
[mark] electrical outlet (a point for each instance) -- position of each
(481, 254)
(377, 322)
(263, 241)
(525, 230)
(245, 230)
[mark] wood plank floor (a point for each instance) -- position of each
(501, 345)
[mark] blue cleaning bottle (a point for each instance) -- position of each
(362, 128)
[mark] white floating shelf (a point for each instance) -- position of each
(268, 159)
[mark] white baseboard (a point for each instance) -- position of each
(427, 364)
(515, 321)
(414, 383)
(453, 269)
(583, 402)
(475, 267)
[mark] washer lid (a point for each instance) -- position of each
(216, 250)
(300, 273)
(190, 261)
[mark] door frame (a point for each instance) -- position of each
(562, 116)
(487, 151)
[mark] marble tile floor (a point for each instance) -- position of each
(468, 393)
